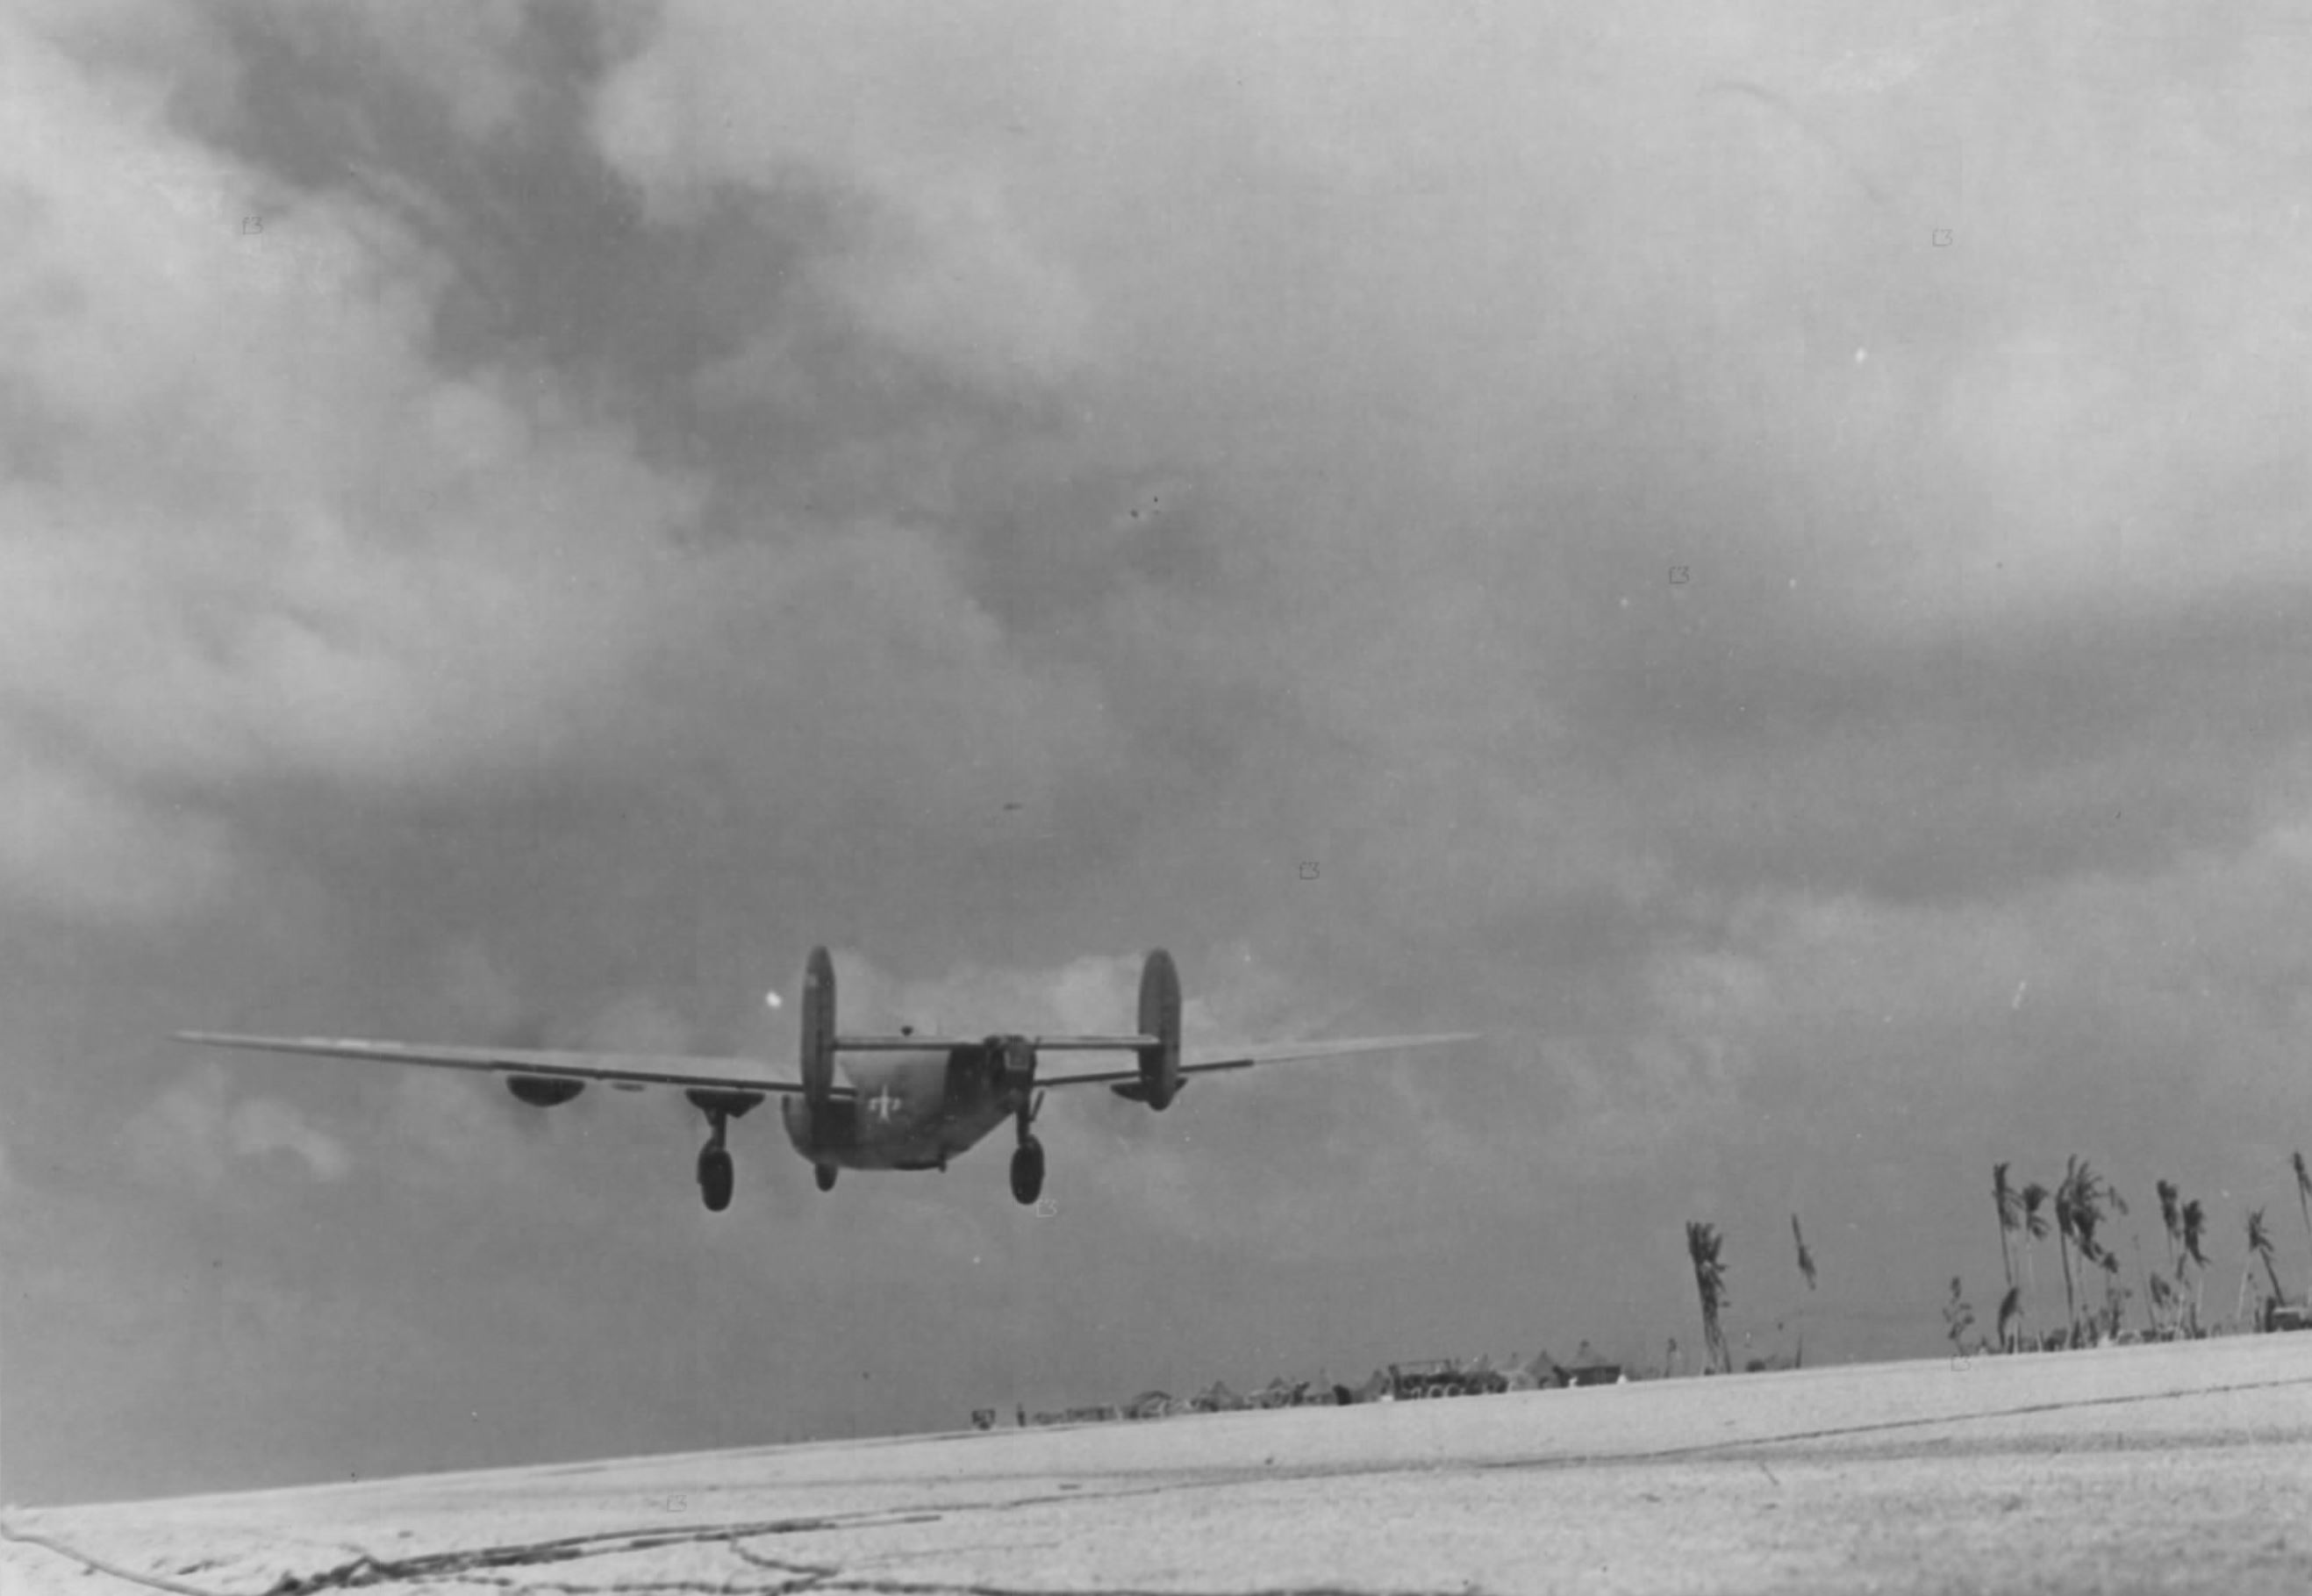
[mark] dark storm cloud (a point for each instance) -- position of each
(1000, 488)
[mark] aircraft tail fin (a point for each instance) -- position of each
(1159, 1019)
(817, 1053)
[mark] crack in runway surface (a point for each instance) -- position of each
(368, 1570)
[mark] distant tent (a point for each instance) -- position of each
(1218, 1399)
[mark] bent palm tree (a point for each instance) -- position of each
(2168, 1303)
(2163, 1303)
(2078, 1211)
(2114, 1297)
(1702, 1244)
(2034, 1199)
(2087, 1215)
(2259, 1244)
(2303, 1189)
(2010, 1214)
(2171, 1220)
(1958, 1317)
(2063, 1256)
(2150, 1307)
(2195, 1227)
(2063, 1189)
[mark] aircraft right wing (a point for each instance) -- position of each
(630, 1070)
(1244, 1056)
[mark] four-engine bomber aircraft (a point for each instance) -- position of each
(909, 1101)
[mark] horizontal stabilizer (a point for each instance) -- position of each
(943, 1044)
(903, 1044)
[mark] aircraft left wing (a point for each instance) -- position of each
(631, 1069)
(1244, 1056)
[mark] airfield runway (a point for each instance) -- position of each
(2166, 1467)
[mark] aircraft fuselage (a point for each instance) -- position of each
(911, 1111)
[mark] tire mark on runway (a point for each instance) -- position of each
(833, 1579)
(89, 1564)
(847, 1582)
(1881, 1426)
(370, 1570)
(806, 1575)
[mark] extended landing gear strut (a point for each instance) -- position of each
(1027, 1158)
(717, 1175)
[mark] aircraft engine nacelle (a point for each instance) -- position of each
(544, 1092)
(817, 1058)
(1011, 1062)
(1160, 1017)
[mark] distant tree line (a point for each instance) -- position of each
(2081, 1211)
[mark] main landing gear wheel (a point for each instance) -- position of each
(826, 1173)
(716, 1178)
(1028, 1170)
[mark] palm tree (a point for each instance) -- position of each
(1702, 1243)
(2062, 1246)
(2078, 1210)
(2163, 1299)
(2303, 1189)
(1806, 1259)
(2143, 1270)
(2010, 1212)
(2115, 1296)
(2259, 1244)
(2034, 1199)
(2086, 1214)
(2170, 1219)
(1958, 1317)
(2196, 1227)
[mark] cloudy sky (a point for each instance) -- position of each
(1759, 551)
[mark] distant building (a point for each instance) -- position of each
(1596, 1374)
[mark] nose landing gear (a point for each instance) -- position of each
(826, 1175)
